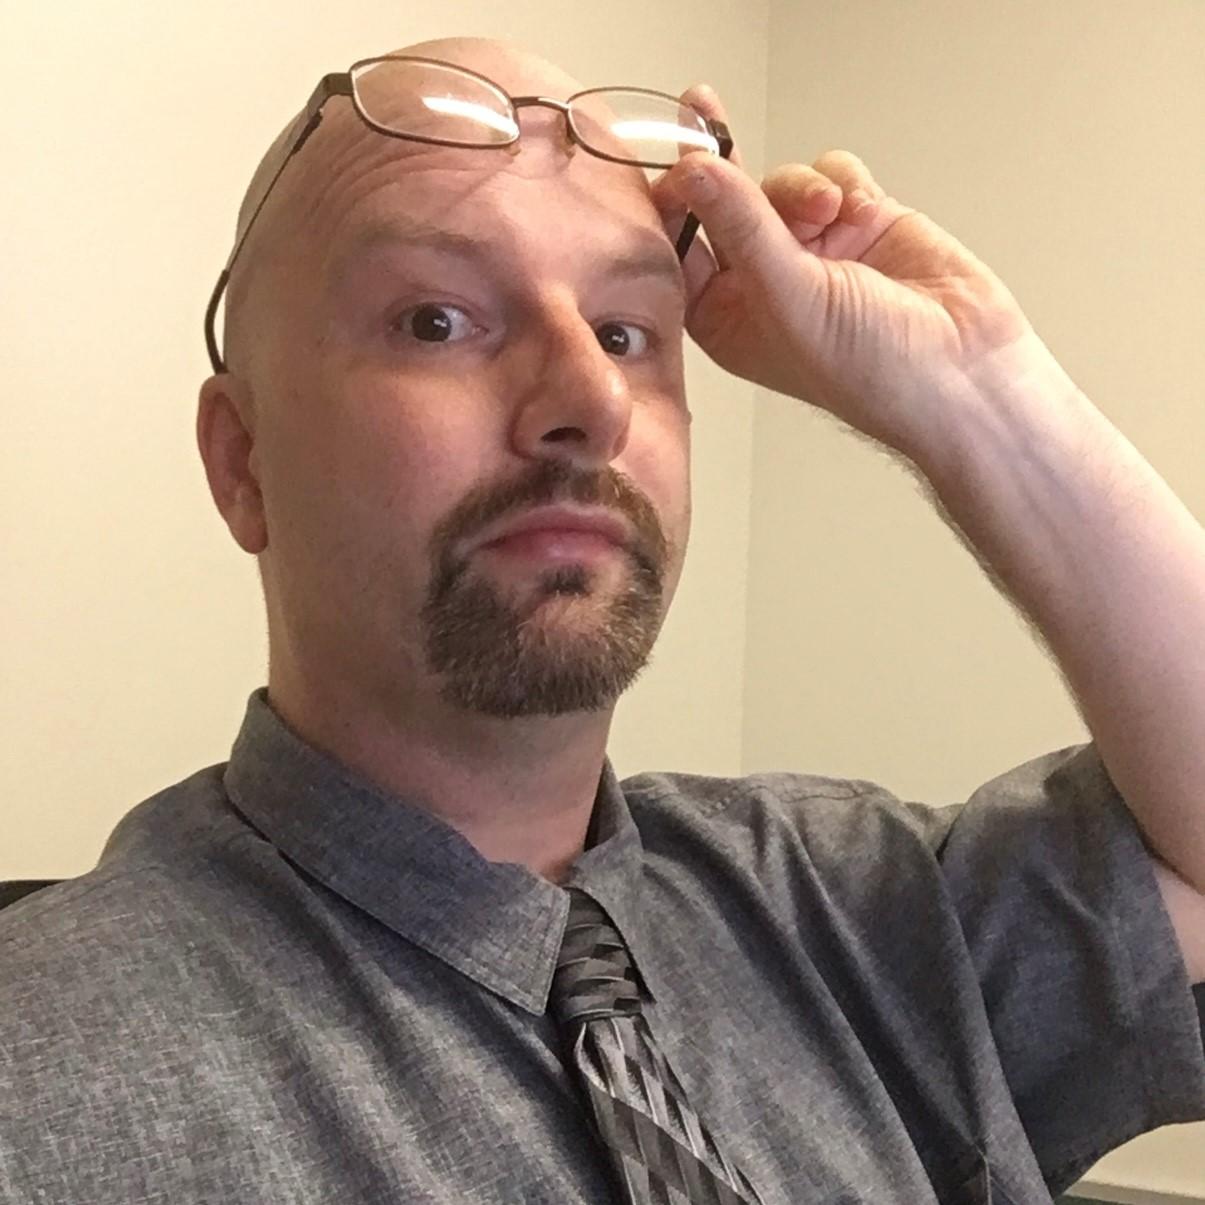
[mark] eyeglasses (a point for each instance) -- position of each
(428, 100)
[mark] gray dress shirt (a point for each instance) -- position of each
(283, 984)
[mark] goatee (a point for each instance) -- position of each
(558, 646)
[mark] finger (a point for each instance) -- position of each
(806, 200)
(699, 266)
(862, 192)
(744, 228)
(705, 98)
(673, 210)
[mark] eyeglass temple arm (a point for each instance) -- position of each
(691, 226)
(337, 83)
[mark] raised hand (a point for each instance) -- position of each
(820, 285)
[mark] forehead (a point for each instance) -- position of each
(550, 194)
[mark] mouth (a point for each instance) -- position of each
(559, 533)
(554, 544)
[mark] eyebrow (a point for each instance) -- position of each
(411, 232)
(657, 259)
(647, 257)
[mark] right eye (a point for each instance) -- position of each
(434, 322)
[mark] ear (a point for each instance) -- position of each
(226, 439)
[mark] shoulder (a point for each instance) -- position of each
(117, 974)
(855, 846)
(157, 858)
(806, 850)
(839, 815)
(830, 817)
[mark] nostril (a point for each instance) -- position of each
(563, 433)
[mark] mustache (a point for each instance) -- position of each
(546, 484)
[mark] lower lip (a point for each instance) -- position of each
(554, 545)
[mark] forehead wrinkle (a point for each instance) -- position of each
(644, 255)
(357, 163)
(382, 234)
(344, 156)
(339, 203)
(341, 132)
(376, 206)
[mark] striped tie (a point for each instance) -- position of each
(661, 1151)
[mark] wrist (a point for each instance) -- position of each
(1015, 409)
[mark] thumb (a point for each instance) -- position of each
(744, 229)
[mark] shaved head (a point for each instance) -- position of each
(515, 69)
(425, 339)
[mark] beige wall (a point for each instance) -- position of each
(1062, 142)
(1059, 141)
(133, 627)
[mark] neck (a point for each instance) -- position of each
(519, 790)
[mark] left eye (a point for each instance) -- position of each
(434, 322)
(623, 338)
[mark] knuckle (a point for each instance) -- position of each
(794, 182)
(840, 159)
(848, 171)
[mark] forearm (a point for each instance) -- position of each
(1109, 564)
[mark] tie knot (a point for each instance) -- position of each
(594, 974)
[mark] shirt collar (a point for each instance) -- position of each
(499, 923)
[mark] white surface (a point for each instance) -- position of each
(1062, 144)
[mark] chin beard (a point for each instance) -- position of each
(562, 649)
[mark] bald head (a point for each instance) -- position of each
(517, 70)
(424, 338)
(506, 64)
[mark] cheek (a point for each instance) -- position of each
(660, 469)
(385, 435)
(400, 479)
(671, 455)
(363, 483)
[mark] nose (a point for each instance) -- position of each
(574, 400)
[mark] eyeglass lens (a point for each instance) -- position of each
(447, 105)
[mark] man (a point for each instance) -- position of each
(450, 423)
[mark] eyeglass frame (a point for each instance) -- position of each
(341, 83)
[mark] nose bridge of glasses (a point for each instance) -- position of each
(527, 102)
(545, 102)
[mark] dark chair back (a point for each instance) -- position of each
(14, 889)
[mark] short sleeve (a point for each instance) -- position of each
(1098, 1029)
